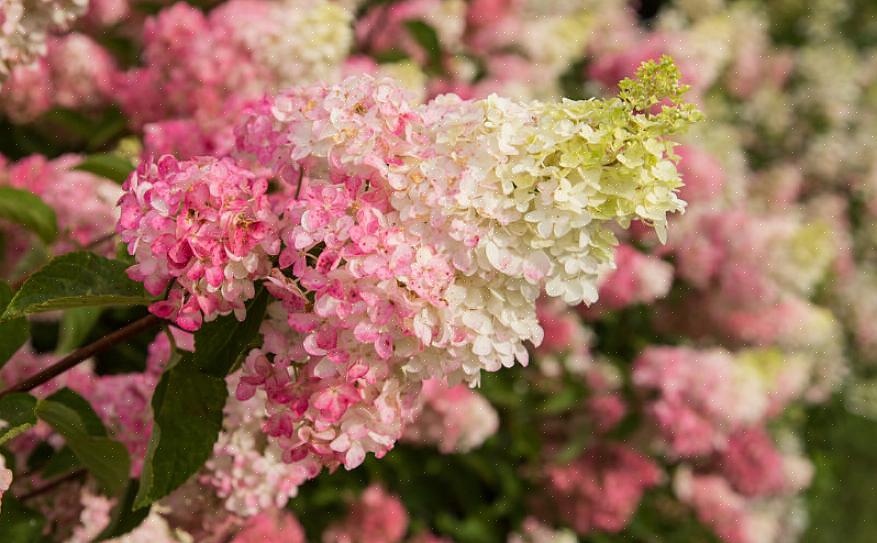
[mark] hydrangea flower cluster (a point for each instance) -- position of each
(206, 225)
(454, 419)
(25, 24)
(519, 189)
(201, 70)
(75, 73)
(83, 202)
(601, 489)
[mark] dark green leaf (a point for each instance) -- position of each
(61, 463)
(17, 409)
(125, 518)
(428, 39)
(13, 333)
(28, 210)
(219, 344)
(79, 279)
(18, 524)
(188, 417)
(75, 326)
(71, 416)
(188, 403)
(107, 165)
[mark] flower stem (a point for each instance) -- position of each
(83, 353)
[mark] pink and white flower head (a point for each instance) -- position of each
(456, 419)
(83, 202)
(701, 397)
(376, 517)
(412, 254)
(81, 71)
(24, 27)
(702, 174)
(601, 490)
(638, 278)
(270, 526)
(246, 473)
(27, 92)
(207, 226)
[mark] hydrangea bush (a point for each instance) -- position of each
(430, 271)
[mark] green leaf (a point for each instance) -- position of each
(13, 333)
(17, 409)
(71, 416)
(60, 463)
(188, 417)
(107, 165)
(78, 279)
(219, 344)
(188, 403)
(428, 39)
(18, 524)
(28, 210)
(75, 326)
(125, 518)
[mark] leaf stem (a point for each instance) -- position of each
(54, 483)
(83, 353)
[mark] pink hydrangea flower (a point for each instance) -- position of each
(206, 225)
(751, 463)
(456, 419)
(376, 517)
(701, 397)
(638, 278)
(270, 527)
(601, 490)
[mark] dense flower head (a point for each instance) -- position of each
(700, 397)
(456, 419)
(205, 68)
(601, 489)
(420, 238)
(83, 202)
(25, 24)
(206, 225)
(376, 517)
(752, 464)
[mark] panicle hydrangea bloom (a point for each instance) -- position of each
(75, 73)
(205, 68)
(701, 396)
(81, 71)
(422, 236)
(27, 92)
(733, 517)
(638, 278)
(83, 202)
(376, 517)
(383, 27)
(270, 526)
(25, 24)
(95, 516)
(456, 419)
(206, 225)
(752, 464)
(154, 529)
(602, 488)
